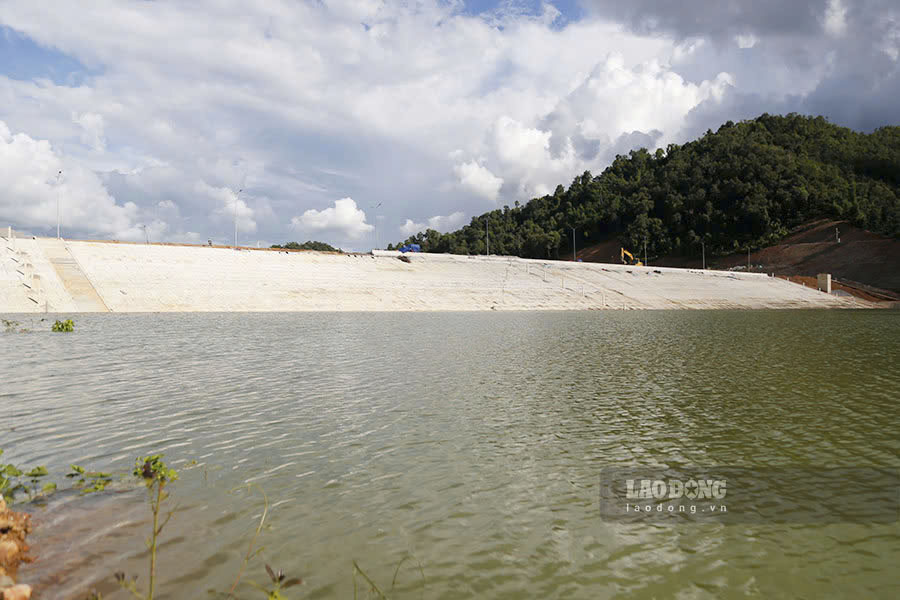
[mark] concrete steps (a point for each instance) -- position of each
(81, 289)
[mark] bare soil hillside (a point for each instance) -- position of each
(861, 257)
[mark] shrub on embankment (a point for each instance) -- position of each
(308, 245)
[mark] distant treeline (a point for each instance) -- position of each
(308, 245)
(745, 185)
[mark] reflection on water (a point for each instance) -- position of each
(472, 441)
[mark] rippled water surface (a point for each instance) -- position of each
(472, 441)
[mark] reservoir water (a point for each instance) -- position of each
(472, 442)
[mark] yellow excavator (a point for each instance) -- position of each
(629, 259)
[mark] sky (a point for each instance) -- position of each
(360, 122)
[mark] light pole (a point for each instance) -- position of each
(377, 241)
(574, 255)
(235, 215)
(376, 207)
(58, 175)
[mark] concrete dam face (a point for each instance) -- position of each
(49, 275)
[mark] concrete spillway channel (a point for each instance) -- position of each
(73, 279)
(86, 276)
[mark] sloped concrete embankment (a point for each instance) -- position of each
(98, 276)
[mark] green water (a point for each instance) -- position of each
(473, 442)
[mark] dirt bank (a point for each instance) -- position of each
(14, 529)
(859, 292)
(860, 257)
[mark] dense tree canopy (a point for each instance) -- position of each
(745, 185)
(308, 245)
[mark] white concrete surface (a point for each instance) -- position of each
(72, 276)
(28, 281)
(152, 278)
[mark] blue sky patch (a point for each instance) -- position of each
(23, 59)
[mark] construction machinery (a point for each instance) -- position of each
(629, 259)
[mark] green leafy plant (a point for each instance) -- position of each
(63, 326)
(156, 475)
(15, 480)
(89, 481)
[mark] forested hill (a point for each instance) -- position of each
(745, 185)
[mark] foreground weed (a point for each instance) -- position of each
(250, 553)
(15, 481)
(372, 588)
(278, 583)
(13, 326)
(89, 481)
(156, 475)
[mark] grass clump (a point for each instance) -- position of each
(13, 327)
(66, 326)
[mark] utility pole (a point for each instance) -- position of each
(376, 207)
(574, 254)
(58, 175)
(703, 248)
(645, 252)
(487, 238)
(235, 215)
(748, 257)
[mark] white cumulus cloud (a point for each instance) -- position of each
(28, 178)
(437, 222)
(229, 205)
(527, 159)
(344, 218)
(478, 180)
